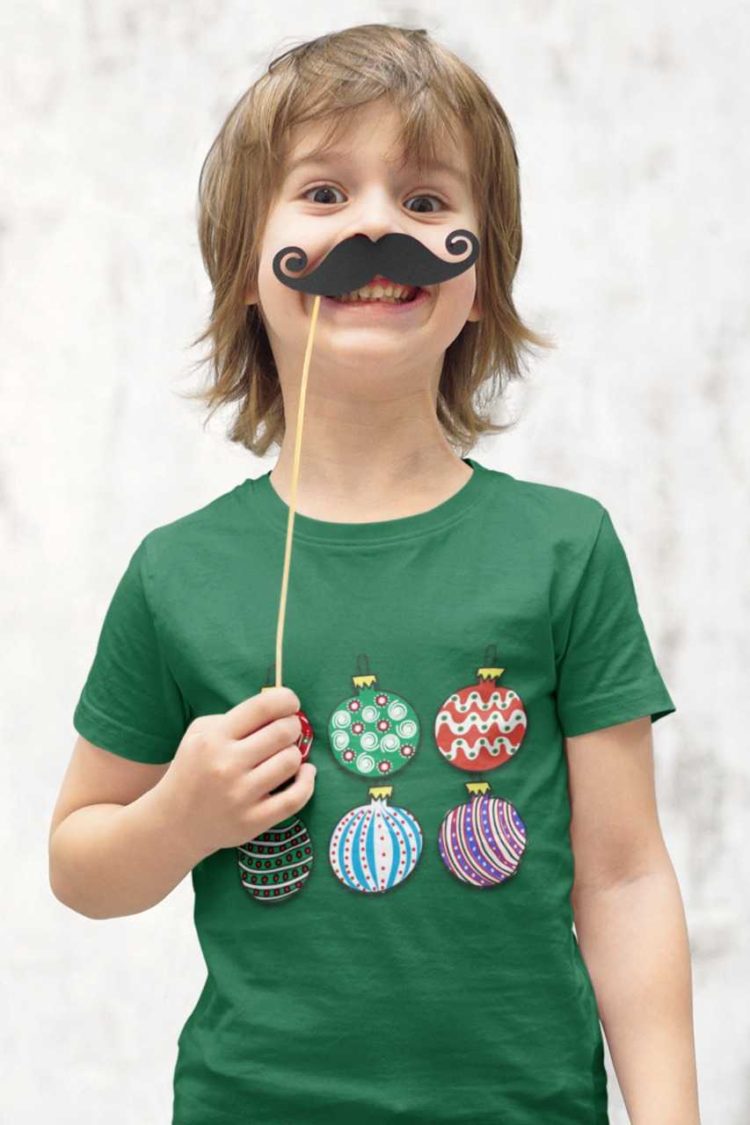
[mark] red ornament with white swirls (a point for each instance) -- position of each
(481, 726)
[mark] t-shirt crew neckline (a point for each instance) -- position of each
(275, 510)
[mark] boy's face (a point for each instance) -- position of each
(362, 190)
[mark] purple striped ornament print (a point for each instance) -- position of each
(482, 842)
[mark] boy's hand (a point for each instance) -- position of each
(219, 781)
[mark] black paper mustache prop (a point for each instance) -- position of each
(354, 262)
(350, 265)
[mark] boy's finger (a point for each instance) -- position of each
(276, 805)
(258, 710)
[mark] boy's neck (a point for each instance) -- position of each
(366, 487)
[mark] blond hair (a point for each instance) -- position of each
(326, 79)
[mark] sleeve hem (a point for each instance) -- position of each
(124, 741)
(609, 712)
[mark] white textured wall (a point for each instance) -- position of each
(631, 123)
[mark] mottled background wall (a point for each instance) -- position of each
(631, 127)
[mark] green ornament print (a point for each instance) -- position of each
(373, 733)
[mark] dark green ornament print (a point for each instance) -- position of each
(275, 865)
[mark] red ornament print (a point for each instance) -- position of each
(481, 726)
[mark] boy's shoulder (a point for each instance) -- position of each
(211, 524)
(551, 510)
(554, 529)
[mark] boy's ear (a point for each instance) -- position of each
(475, 312)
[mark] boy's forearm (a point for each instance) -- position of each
(634, 940)
(107, 861)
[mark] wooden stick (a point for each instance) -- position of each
(293, 497)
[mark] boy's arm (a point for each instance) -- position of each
(115, 847)
(630, 922)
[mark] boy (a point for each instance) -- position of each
(482, 624)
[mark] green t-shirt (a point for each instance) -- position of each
(411, 956)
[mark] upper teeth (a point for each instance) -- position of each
(379, 290)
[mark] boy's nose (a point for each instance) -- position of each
(374, 227)
(376, 215)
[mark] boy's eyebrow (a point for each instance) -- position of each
(325, 157)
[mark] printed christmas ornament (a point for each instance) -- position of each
(482, 842)
(305, 739)
(374, 847)
(375, 732)
(275, 865)
(481, 726)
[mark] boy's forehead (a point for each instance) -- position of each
(379, 123)
(312, 145)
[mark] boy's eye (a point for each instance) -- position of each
(322, 188)
(439, 201)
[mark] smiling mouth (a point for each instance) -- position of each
(381, 290)
(405, 297)
(374, 305)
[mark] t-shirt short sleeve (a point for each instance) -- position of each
(131, 703)
(606, 673)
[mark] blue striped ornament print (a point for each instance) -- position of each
(374, 847)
